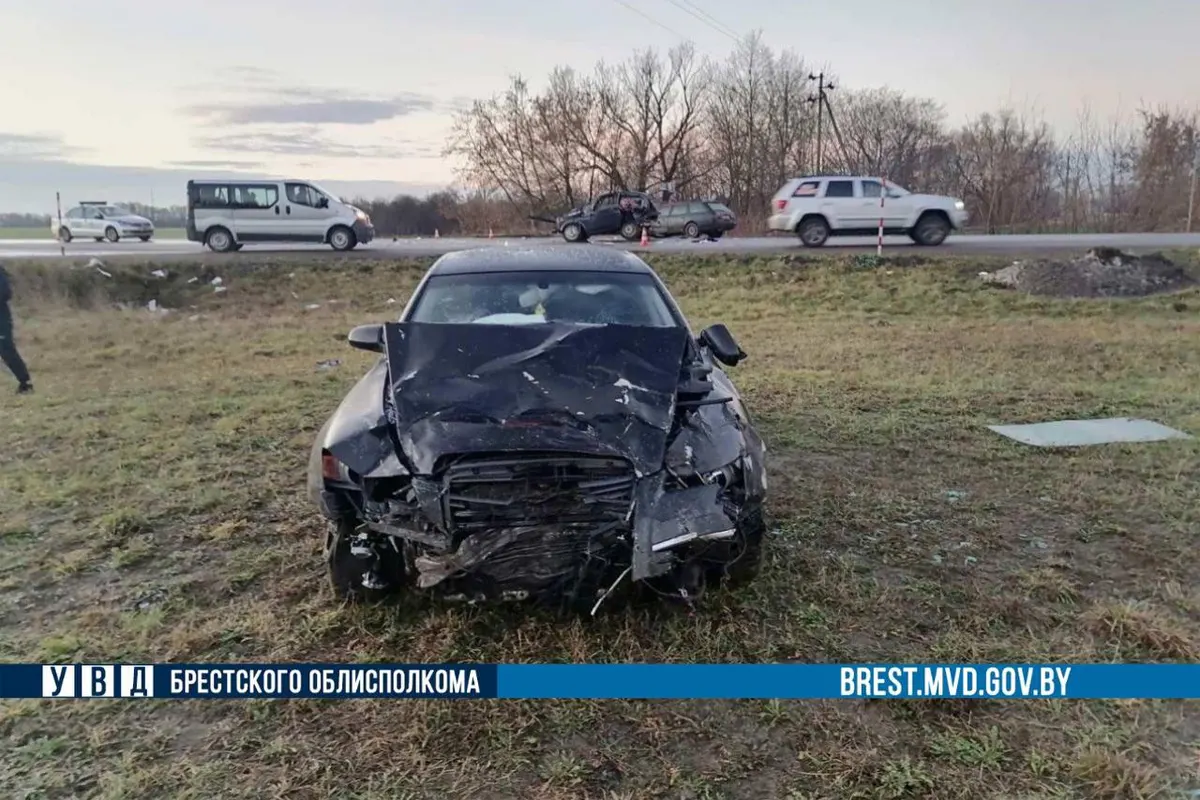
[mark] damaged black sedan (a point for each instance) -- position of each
(542, 424)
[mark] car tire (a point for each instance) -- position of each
(931, 229)
(341, 238)
(717, 234)
(631, 231)
(98, 238)
(813, 231)
(219, 240)
(64, 235)
(691, 231)
(573, 232)
(346, 570)
(144, 238)
(112, 234)
(746, 566)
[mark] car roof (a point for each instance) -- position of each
(547, 258)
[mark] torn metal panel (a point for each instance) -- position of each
(1084, 432)
(460, 388)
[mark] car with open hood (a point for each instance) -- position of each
(542, 424)
(624, 213)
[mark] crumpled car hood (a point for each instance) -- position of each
(461, 388)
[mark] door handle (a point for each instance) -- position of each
(288, 209)
(276, 210)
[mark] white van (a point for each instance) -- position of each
(226, 214)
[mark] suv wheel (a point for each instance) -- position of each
(813, 231)
(931, 229)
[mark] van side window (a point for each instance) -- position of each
(302, 194)
(210, 196)
(260, 196)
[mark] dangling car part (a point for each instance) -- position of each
(542, 424)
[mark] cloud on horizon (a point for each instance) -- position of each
(34, 146)
(308, 141)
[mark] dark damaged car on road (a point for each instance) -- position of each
(623, 213)
(542, 424)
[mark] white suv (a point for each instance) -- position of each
(818, 207)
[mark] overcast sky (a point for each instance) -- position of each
(129, 97)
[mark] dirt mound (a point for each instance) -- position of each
(1101, 272)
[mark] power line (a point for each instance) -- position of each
(652, 20)
(721, 25)
(716, 26)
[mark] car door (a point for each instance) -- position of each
(895, 209)
(839, 203)
(605, 218)
(304, 218)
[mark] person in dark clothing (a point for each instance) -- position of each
(8, 348)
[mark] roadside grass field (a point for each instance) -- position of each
(44, 233)
(152, 508)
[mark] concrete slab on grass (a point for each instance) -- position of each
(1083, 432)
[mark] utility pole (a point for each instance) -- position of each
(1192, 193)
(822, 102)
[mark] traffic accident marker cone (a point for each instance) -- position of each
(490, 234)
(645, 236)
(436, 234)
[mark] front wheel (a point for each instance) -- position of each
(64, 235)
(354, 575)
(931, 230)
(111, 234)
(630, 231)
(342, 239)
(144, 238)
(813, 232)
(573, 232)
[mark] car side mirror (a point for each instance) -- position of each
(323, 202)
(721, 343)
(367, 337)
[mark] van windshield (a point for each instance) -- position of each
(333, 197)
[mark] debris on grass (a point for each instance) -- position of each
(329, 364)
(1100, 272)
(1084, 432)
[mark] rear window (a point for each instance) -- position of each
(807, 189)
(720, 207)
(840, 189)
(530, 298)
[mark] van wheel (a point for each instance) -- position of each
(813, 231)
(64, 235)
(219, 240)
(342, 238)
(111, 234)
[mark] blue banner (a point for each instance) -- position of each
(601, 681)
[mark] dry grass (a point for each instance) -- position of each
(151, 508)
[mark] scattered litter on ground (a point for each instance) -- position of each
(216, 281)
(954, 495)
(312, 306)
(391, 301)
(1082, 432)
(220, 288)
(1100, 272)
(98, 265)
(194, 317)
(154, 308)
(329, 364)
(192, 280)
(159, 273)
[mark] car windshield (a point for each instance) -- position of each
(896, 190)
(530, 298)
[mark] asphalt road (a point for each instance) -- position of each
(973, 245)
